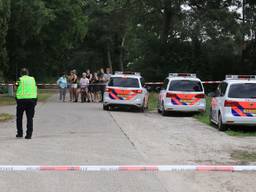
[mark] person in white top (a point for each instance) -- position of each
(84, 83)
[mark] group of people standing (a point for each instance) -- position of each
(90, 87)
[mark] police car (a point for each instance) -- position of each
(126, 89)
(234, 102)
(182, 92)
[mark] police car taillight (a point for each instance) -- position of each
(108, 90)
(137, 91)
(229, 103)
(171, 95)
(200, 96)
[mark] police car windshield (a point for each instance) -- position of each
(124, 82)
(186, 86)
(242, 90)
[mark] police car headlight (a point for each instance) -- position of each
(138, 100)
(202, 102)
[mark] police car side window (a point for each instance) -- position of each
(222, 89)
(166, 82)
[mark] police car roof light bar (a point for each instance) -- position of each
(127, 73)
(191, 75)
(237, 77)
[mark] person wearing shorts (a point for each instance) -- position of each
(74, 85)
(70, 86)
(102, 83)
(84, 82)
(95, 87)
(89, 77)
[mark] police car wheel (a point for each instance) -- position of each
(210, 117)
(159, 108)
(142, 108)
(221, 126)
(105, 108)
(164, 113)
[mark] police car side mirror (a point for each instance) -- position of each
(148, 87)
(158, 89)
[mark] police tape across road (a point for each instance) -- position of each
(129, 168)
(147, 83)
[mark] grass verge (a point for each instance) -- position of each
(234, 132)
(43, 95)
(5, 117)
(204, 117)
(244, 157)
(6, 100)
(152, 101)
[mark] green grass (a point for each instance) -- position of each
(5, 100)
(43, 95)
(241, 133)
(204, 117)
(5, 117)
(244, 157)
(152, 102)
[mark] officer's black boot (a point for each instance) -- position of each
(29, 128)
(19, 116)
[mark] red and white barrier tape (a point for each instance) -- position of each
(154, 83)
(148, 83)
(130, 168)
(6, 84)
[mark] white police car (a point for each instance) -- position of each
(234, 102)
(126, 89)
(182, 92)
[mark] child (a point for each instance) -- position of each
(84, 83)
(62, 83)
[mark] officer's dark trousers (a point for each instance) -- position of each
(27, 106)
(102, 90)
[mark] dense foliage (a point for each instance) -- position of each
(211, 38)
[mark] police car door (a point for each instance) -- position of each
(145, 91)
(163, 91)
(219, 100)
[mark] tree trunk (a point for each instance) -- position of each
(167, 19)
(121, 56)
(109, 58)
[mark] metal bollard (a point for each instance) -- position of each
(10, 90)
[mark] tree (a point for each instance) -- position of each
(4, 19)
(41, 32)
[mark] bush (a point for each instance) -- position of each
(3, 90)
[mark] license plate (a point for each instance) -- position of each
(250, 111)
(185, 101)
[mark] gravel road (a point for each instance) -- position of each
(84, 134)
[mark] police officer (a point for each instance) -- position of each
(26, 97)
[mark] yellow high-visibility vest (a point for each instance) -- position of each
(27, 88)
